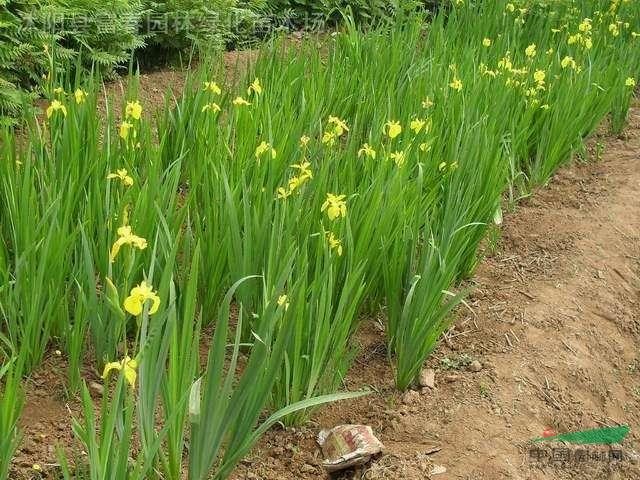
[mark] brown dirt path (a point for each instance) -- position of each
(555, 325)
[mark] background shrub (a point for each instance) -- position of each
(306, 11)
(104, 33)
(175, 26)
(22, 56)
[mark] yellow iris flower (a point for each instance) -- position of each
(133, 110)
(282, 193)
(456, 84)
(56, 106)
(123, 176)
(255, 87)
(530, 51)
(283, 301)
(239, 101)
(134, 303)
(297, 181)
(263, 148)
(80, 96)
(214, 107)
(614, 30)
(334, 243)
(568, 62)
(212, 87)
(417, 125)
(392, 129)
(425, 147)
(329, 138)
(367, 150)
(335, 206)
(303, 168)
(126, 237)
(339, 126)
(399, 158)
(427, 103)
(486, 42)
(585, 25)
(125, 127)
(127, 365)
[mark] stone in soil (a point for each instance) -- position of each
(475, 366)
(427, 378)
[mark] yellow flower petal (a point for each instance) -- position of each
(393, 129)
(80, 96)
(133, 110)
(109, 367)
(134, 303)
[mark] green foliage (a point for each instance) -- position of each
(365, 172)
(310, 11)
(22, 58)
(11, 402)
(180, 25)
(104, 33)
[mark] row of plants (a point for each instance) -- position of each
(277, 213)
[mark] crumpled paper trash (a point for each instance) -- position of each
(348, 446)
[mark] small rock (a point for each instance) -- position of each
(427, 378)
(451, 378)
(97, 387)
(410, 397)
(438, 469)
(425, 391)
(347, 446)
(475, 366)
(277, 452)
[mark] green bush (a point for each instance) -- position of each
(104, 33)
(22, 57)
(176, 26)
(331, 10)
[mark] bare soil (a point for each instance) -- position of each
(554, 320)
